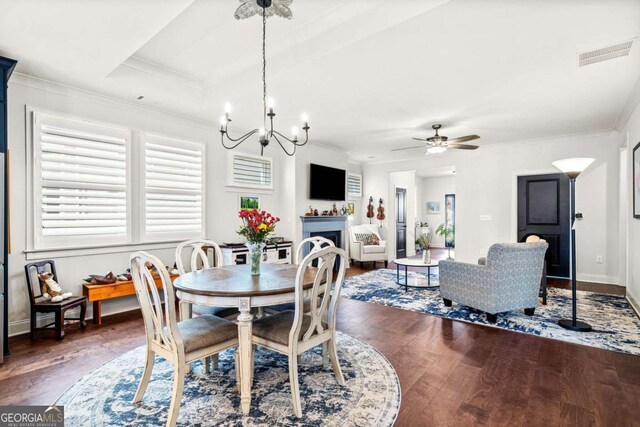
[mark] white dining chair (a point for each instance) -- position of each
(180, 343)
(315, 242)
(195, 251)
(294, 332)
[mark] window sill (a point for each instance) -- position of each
(37, 254)
(248, 189)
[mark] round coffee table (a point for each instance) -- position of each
(413, 262)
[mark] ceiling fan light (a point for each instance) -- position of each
(436, 150)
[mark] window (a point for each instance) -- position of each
(80, 182)
(173, 188)
(354, 185)
(249, 171)
(94, 185)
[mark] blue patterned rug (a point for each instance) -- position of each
(615, 324)
(371, 396)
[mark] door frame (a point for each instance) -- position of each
(514, 202)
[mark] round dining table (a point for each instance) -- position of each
(234, 286)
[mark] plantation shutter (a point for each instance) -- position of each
(354, 185)
(252, 172)
(174, 182)
(81, 182)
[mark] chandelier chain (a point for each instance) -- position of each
(264, 67)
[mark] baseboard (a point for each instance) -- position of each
(109, 308)
(599, 278)
(634, 304)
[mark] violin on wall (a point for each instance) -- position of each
(370, 213)
(380, 215)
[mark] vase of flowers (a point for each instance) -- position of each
(256, 227)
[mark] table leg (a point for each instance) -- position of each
(406, 278)
(244, 348)
(185, 310)
(398, 274)
(97, 312)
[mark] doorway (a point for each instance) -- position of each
(401, 223)
(543, 209)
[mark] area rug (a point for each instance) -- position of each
(371, 396)
(615, 325)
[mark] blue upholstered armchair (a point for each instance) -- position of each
(509, 280)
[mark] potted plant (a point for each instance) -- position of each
(424, 240)
(447, 232)
(256, 228)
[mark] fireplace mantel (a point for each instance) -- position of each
(320, 224)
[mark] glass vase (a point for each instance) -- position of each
(255, 256)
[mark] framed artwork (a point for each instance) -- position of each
(636, 181)
(351, 208)
(433, 208)
(450, 219)
(248, 203)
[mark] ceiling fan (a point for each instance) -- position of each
(440, 143)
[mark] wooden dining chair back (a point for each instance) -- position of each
(198, 258)
(316, 243)
(310, 324)
(41, 305)
(180, 343)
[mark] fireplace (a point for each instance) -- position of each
(333, 228)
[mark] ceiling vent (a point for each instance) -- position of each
(605, 53)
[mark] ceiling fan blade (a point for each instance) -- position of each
(407, 148)
(419, 139)
(462, 146)
(463, 139)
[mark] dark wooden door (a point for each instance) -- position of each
(543, 209)
(401, 223)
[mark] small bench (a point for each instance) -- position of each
(98, 293)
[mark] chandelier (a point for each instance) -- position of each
(265, 133)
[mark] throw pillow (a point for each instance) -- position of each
(367, 239)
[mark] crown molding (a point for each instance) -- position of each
(39, 83)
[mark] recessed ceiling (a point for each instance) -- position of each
(371, 74)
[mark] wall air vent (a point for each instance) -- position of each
(605, 53)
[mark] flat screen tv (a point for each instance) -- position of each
(327, 183)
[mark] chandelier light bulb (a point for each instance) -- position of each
(262, 132)
(305, 118)
(227, 108)
(270, 104)
(294, 132)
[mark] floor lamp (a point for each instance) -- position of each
(572, 168)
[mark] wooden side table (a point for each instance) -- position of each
(98, 293)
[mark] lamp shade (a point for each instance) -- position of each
(574, 166)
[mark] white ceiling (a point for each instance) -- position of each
(370, 73)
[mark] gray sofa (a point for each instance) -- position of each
(509, 280)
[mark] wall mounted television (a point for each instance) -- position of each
(327, 183)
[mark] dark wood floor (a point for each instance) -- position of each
(451, 373)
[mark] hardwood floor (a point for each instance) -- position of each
(451, 373)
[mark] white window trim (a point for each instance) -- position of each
(141, 220)
(35, 241)
(353, 195)
(232, 185)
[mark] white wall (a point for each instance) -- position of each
(433, 189)
(631, 137)
(486, 185)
